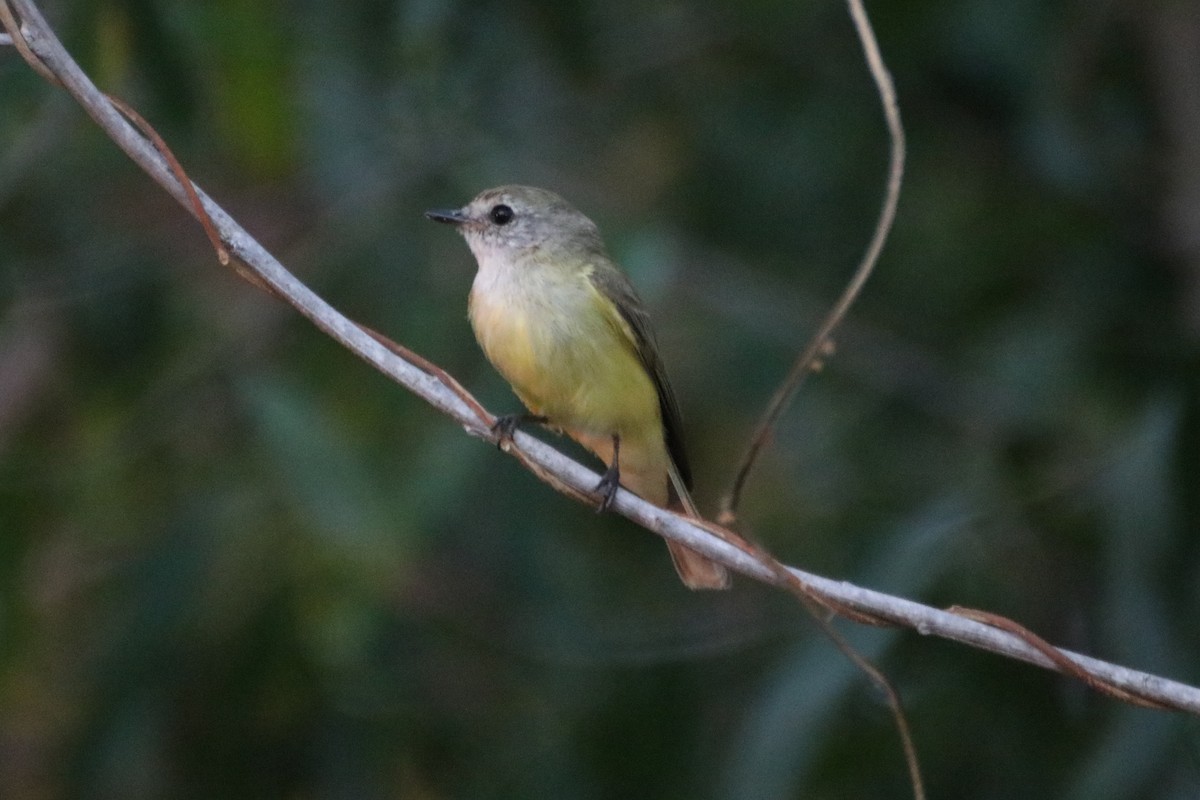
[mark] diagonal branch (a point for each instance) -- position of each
(569, 476)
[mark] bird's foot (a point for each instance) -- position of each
(506, 425)
(607, 488)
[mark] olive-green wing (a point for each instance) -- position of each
(612, 283)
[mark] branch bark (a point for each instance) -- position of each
(564, 473)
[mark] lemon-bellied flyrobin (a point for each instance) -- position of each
(564, 326)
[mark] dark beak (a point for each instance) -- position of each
(451, 216)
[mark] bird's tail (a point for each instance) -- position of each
(695, 570)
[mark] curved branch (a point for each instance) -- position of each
(564, 473)
(821, 344)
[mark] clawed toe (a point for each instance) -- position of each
(607, 489)
(506, 425)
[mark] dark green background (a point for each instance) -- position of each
(237, 563)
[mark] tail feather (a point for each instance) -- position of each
(641, 472)
(696, 571)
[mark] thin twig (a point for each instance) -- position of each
(567, 474)
(814, 602)
(16, 37)
(1061, 662)
(181, 176)
(820, 347)
(817, 347)
(448, 380)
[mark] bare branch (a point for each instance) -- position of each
(564, 473)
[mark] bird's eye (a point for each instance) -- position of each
(501, 214)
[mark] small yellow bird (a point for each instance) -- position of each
(564, 326)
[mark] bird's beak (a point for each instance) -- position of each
(451, 216)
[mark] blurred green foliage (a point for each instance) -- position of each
(237, 563)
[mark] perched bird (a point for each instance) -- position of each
(564, 326)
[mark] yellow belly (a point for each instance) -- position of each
(571, 364)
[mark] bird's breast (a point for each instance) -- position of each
(551, 337)
(529, 328)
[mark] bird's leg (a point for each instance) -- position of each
(504, 426)
(611, 480)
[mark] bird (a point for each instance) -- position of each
(563, 324)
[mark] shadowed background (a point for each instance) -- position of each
(235, 562)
